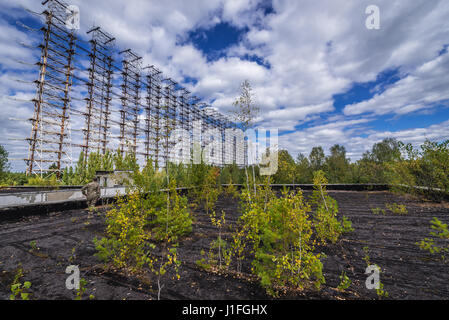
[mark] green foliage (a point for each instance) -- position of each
(13, 179)
(366, 258)
(395, 208)
(4, 166)
(374, 167)
(388, 162)
(162, 264)
(282, 245)
(125, 242)
(207, 189)
(245, 110)
(345, 282)
(173, 221)
(203, 264)
(346, 225)
(37, 180)
(232, 173)
(181, 173)
(337, 165)
(125, 162)
(386, 151)
(145, 218)
(148, 182)
(377, 211)
(85, 169)
(326, 224)
(211, 189)
(79, 175)
(437, 244)
(316, 159)
(197, 181)
(82, 289)
(304, 173)
(219, 253)
(231, 190)
(278, 233)
(381, 292)
(427, 168)
(19, 289)
(33, 245)
(286, 172)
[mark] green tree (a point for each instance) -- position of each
(337, 165)
(286, 168)
(4, 165)
(232, 173)
(317, 158)
(303, 170)
(385, 151)
(427, 168)
(245, 112)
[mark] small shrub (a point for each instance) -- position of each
(381, 292)
(174, 220)
(39, 181)
(280, 234)
(82, 289)
(125, 241)
(346, 225)
(33, 246)
(325, 221)
(19, 289)
(377, 211)
(345, 282)
(395, 208)
(231, 190)
(438, 244)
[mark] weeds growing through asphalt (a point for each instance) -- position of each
(278, 235)
(345, 282)
(33, 246)
(395, 208)
(143, 230)
(231, 190)
(438, 242)
(377, 211)
(19, 290)
(380, 291)
(326, 224)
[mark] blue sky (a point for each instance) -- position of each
(318, 74)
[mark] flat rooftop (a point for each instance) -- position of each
(64, 238)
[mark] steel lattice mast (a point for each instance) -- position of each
(95, 98)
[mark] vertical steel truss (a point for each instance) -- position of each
(50, 122)
(152, 116)
(169, 117)
(141, 104)
(131, 105)
(99, 88)
(154, 112)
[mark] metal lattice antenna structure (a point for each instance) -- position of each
(152, 114)
(120, 104)
(131, 84)
(48, 148)
(169, 116)
(99, 89)
(185, 125)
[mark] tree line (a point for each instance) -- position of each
(388, 162)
